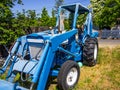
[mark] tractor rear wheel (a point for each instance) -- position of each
(68, 75)
(90, 51)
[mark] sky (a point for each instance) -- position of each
(38, 5)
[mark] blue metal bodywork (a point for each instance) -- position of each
(46, 51)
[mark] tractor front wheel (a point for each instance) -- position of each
(68, 75)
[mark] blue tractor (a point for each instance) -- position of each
(53, 53)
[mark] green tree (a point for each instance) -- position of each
(45, 18)
(81, 19)
(32, 18)
(27, 21)
(53, 19)
(70, 20)
(105, 12)
(7, 34)
(13, 26)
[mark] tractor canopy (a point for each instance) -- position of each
(70, 11)
(72, 8)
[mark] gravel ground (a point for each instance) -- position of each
(109, 43)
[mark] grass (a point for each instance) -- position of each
(104, 76)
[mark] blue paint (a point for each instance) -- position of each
(57, 49)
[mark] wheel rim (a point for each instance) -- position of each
(95, 52)
(72, 76)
